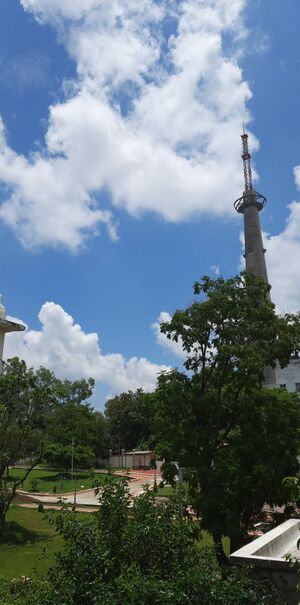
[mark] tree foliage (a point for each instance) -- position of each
(236, 439)
(39, 416)
(59, 456)
(79, 421)
(129, 418)
(149, 557)
(26, 401)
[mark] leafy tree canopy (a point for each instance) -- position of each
(236, 439)
(129, 417)
(80, 421)
(149, 557)
(37, 408)
(59, 456)
(26, 402)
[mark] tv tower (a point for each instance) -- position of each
(250, 204)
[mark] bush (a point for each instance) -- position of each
(150, 557)
(24, 591)
(34, 485)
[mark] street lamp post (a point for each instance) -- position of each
(72, 473)
(180, 477)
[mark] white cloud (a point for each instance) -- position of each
(154, 120)
(162, 340)
(52, 10)
(216, 270)
(283, 261)
(62, 346)
(48, 204)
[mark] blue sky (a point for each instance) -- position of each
(120, 162)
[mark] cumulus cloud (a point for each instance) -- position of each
(283, 254)
(162, 340)
(282, 259)
(52, 10)
(48, 204)
(153, 119)
(62, 346)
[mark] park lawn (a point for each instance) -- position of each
(28, 544)
(59, 480)
(166, 490)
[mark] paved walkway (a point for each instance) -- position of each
(137, 480)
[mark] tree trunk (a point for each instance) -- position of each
(221, 557)
(6, 497)
(4, 506)
(237, 542)
(2, 520)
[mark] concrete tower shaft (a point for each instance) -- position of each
(250, 204)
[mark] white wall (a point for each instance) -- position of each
(289, 375)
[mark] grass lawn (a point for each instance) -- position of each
(166, 491)
(60, 481)
(28, 544)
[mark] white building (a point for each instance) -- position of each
(289, 377)
(134, 459)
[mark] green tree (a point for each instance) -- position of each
(236, 440)
(149, 557)
(129, 418)
(26, 401)
(59, 456)
(24, 591)
(74, 417)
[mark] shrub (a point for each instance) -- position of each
(34, 485)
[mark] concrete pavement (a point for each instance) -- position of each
(137, 479)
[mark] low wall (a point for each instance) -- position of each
(267, 554)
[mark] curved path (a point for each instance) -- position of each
(138, 479)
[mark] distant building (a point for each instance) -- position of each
(289, 378)
(134, 459)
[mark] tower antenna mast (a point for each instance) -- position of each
(247, 162)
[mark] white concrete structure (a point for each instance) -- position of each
(268, 556)
(5, 327)
(289, 377)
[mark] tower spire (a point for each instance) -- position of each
(247, 162)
